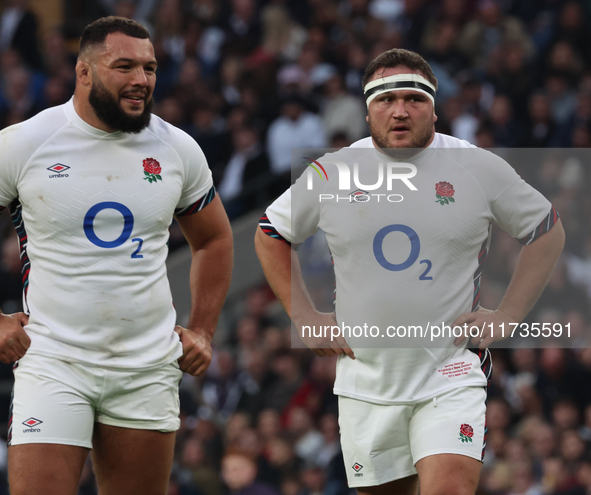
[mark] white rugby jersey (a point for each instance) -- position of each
(92, 210)
(408, 258)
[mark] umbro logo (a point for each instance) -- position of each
(31, 423)
(59, 169)
(359, 196)
(357, 467)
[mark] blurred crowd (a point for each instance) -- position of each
(250, 79)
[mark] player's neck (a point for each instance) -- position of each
(402, 153)
(85, 111)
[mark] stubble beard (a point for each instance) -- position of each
(109, 110)
(416, 145)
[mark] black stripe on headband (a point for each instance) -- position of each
(400, 85)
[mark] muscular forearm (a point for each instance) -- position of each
(282, 269)
(211, 271)
(532, 272)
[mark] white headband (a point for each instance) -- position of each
(413, 82)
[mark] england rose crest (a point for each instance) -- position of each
(444, 192)
(466, 433)
(152, 170)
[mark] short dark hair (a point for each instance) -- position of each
(399, 57)
(96, 32)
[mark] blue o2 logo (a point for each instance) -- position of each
(125, 234)
(415, 248)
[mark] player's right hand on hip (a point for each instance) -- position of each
(197, 352)
(14, 341)
(329, 343)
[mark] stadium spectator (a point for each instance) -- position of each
(565, 414)
(222, 388)
(563, 98)
(239, 474)
(331, 448)
(138, 10)
(10, 274)
(284, 463)
(247, 167)
(19, 31)
(282, 37)
(356, 63)
(18, 99)
(507, 132)
(342, 112)
(307, 440)
(208, 128)
(571, 28)
(439, 47)
(57, 59)
(171, 110)
(168, 26)
(56, 92)
(490, 29)
(295, 128)
(196, 469)
(309, 73)
(463, 124)
(242, 28)
(541, 130)
(523, 481)
(484, 136)
(288, 379)
(516, 78)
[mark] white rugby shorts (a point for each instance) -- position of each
(382, 443)
(56, 401)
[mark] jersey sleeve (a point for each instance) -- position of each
(277, 219)
(268, 228)
(198, 205)
(544, 226)
(198, 189)
(7, 185)
(516, 207)
(9, 169)
(295, 215)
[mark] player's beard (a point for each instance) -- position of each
(420, 141)
(109, 110)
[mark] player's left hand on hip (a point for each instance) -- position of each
(197, 351)
(488, 322)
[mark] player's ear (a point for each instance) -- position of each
(434, 117)
(83, 73)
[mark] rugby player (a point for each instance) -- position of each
(405, 417)
(92, 187)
